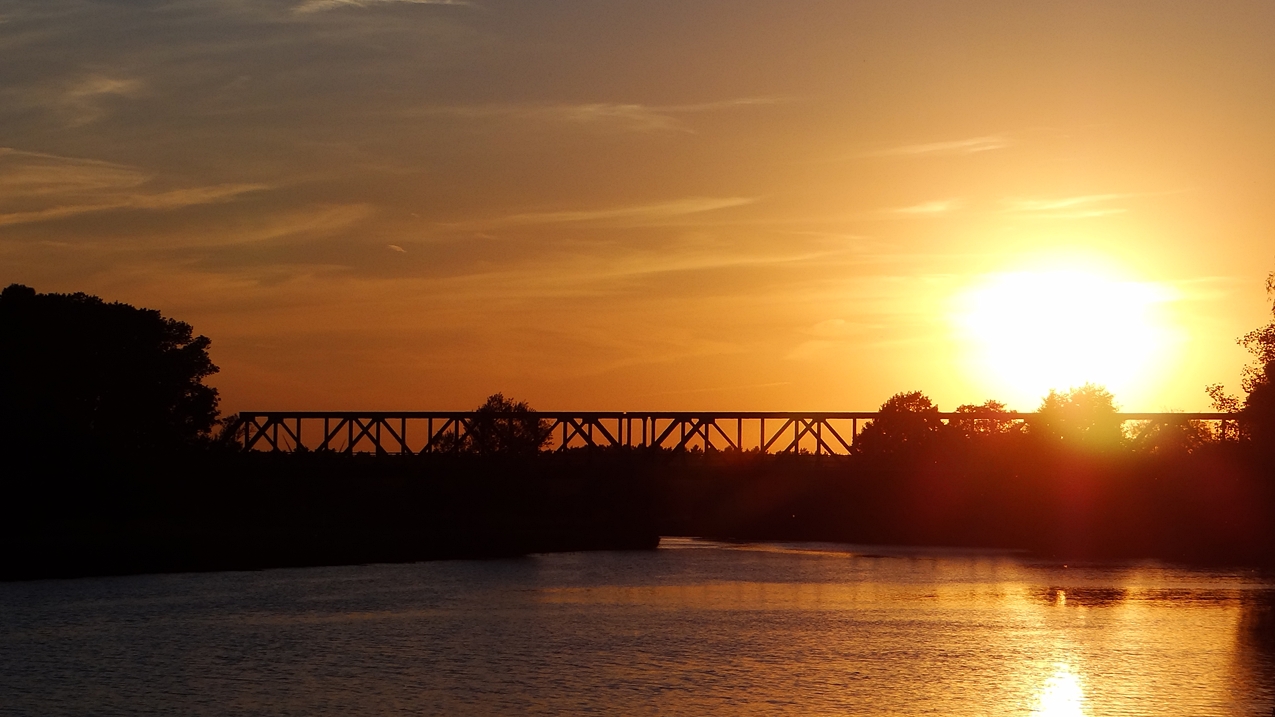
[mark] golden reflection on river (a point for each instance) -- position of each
(695, 629)
(957, 635)
(1061, 696)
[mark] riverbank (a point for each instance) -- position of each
(229, 511)
(253, 511)
(1214, 507)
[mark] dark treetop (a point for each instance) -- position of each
(77, 372)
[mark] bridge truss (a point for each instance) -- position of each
(414, 432)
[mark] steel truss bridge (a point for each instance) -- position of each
(415, 432)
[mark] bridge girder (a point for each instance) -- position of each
(821, 433)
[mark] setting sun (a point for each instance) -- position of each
(1031, 331)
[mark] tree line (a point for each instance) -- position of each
(113, 460)
(78, 372)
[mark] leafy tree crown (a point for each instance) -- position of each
(75, 370)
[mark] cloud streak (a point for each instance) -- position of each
(629, 116)
(85, 101)
(837, 329)
(635, 215)
(34, 174)
(1077, 207)
(972, 145)
(37, 187)
(175, 199)
(313, 6)
(939, 206)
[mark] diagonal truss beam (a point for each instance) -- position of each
(387, 432)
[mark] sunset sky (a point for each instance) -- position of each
(613, 205)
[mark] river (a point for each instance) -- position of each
(694, 628)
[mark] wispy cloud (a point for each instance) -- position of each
(74, 102)
(310, 6)
(86, 99)
(41, 187)
(716, 389)
(628, 116)
(938, 206)
(808, 350)
(830, 336)
(702, 260)
(637, 214)
(836, 329)
(1077, 207)
(33, 174)
(164, 200)
(632, 116)
(191, 196)
(972, 145)
(308, 222)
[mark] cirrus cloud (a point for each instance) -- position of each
(972, 145)
(310, 6)
(39, 187)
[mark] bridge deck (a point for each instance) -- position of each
(404, 432)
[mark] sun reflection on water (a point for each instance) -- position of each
(1061, 695)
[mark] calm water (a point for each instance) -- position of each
(693, 629)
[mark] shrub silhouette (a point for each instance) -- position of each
(77, 372)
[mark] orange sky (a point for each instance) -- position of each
(656, 205)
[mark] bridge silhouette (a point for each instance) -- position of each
(416, 432)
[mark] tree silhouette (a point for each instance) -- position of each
(988, 419)
(1170, 436)
(1258, 411)
(505, 426)
(905, 422)
(76, 372)
(1084, 417)
(1224, 402)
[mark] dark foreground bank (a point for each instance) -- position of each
(1213, 507)
(215, 510)
(227, 511)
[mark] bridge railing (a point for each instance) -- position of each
(414, 432)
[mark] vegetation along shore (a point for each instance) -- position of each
(116, 460)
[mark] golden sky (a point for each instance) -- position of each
(654, 205)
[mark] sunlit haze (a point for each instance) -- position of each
(655, 205)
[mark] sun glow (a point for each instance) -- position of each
(1031, 331)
